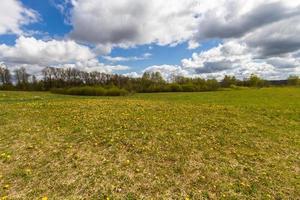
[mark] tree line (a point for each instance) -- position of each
(55, 78)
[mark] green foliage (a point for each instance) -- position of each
(188, 87)
(212, 84)
(116, 92)
(91, 91)
(228, 81)
(255, 81)
(175, 87)
(293, 80)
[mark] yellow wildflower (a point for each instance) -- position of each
(6, 186)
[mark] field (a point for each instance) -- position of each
(237, 144)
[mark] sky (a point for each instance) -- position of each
(193, 38)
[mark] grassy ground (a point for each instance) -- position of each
(242, 144)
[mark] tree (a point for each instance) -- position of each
(5, 76)
(228, 81)
(2, 75)
(156, 77)
(255, 81)
(22, 78)
(146, 76)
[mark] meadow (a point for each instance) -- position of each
(231, 144)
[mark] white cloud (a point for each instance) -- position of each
(236, 58)
(13, 15)
(133, 22)
(276, 39)
(236, 18)
(94, 65)
(193, 44)
(29, 50)
(126, 59)
(36, 54)
(168, 71)
(133, 75)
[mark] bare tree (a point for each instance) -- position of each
(5, 76)
(22, 77)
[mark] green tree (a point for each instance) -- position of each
(156, 77)
(255, 81)
(228, 81)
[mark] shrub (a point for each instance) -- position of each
(91, 91)
(188, 88)
(175, 88)
(116, 92)
(212, 85)
(293, 80)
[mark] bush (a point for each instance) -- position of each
(212, 85)
(293, 80)
(91, 91)
(175, 88)
(188, 88)
(116, 92)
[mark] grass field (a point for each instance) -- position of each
(239, 144)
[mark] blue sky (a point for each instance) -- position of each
(51, 21)
(193, 38)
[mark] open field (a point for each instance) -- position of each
(241, 144)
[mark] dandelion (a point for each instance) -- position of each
(45, 198)
(6, 186)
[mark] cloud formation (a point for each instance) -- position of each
(126, 59)
(133, 22)
(168, 71)
(29, 50)
(234, 19)
(35, 54)
(94, 65)
(261, 37)
(236, 58)
(13, 16)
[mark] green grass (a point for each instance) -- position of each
(238, 144)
